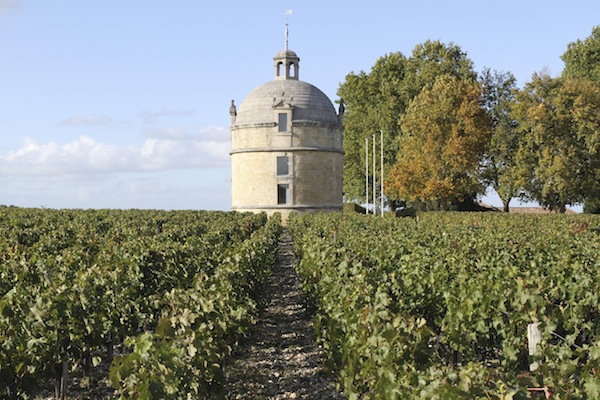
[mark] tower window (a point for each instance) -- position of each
(283, 194)
(283, 122)
(283, 165)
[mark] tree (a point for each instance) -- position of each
(498, 169)
(582, 61)
(446, 131)
(582, 58)
(377, 100)
(374, 102)
(592, 205)
(432, 59)
(559, 159)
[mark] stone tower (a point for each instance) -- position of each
(286, 146)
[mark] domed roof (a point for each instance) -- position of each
(287, 53)
(308, 103)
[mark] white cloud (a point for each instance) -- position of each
(164, 150)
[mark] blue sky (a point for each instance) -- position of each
(125, 104)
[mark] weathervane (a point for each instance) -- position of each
(287, 13)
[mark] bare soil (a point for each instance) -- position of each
(281, 359)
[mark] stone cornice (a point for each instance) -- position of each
(286, 149)
(254, 125)
(295, 123)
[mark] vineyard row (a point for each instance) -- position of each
(174, 290)
(440, 306)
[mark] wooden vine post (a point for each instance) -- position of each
(534, 337)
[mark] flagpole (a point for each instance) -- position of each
(381, 192)
(367, 174)
(374, 171)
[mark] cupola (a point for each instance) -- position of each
(287, 64)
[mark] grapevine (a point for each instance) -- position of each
(172, 286)
(440, 307)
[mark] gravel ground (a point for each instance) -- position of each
(281, 360)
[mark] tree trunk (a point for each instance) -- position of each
(505, 203)
(109, 347)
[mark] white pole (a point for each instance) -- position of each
(381, 192)
(367, 173)
(374, 171)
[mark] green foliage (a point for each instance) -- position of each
(498, 167)
(154, 370)
(197, 326)
(433, 59)
(582, 61)
(376, 101)
(591, 206)
(74, 282)
(439, 307)
(353, 208)
(558, 162)
(582, 58)
(446, 133)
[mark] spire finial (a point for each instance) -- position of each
(287, 13)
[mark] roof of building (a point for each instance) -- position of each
(307, 101)
(286, 91)
(286, 53)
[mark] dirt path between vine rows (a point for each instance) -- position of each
(281, 360)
